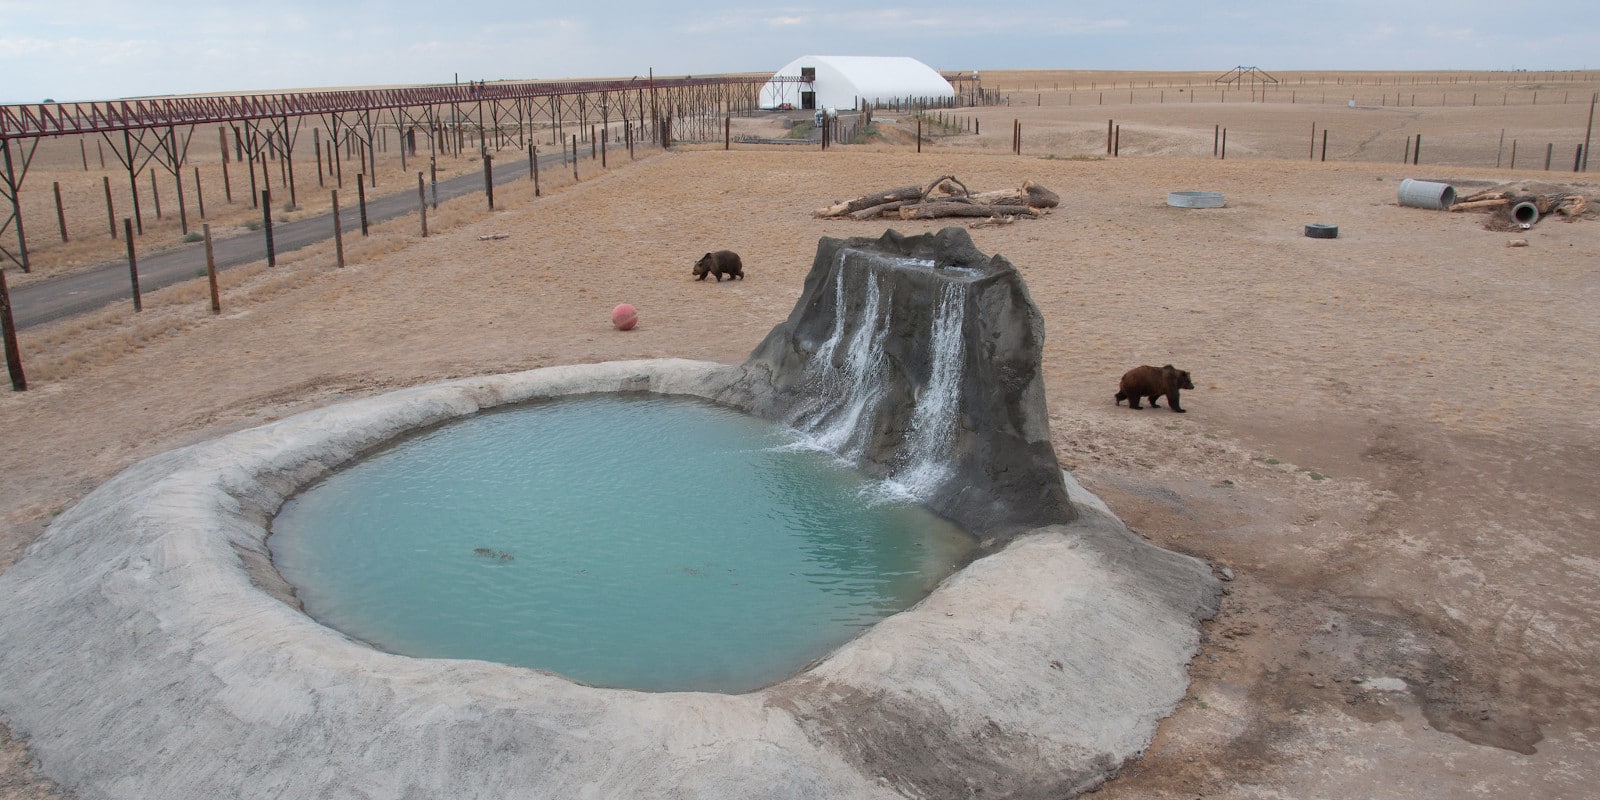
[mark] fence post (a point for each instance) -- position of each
(111, 212)
(361, 199)
(61, 213)
(8, 331)
(211, 269)
(133, 263)
(338, 230)
(422, 204)
(488, 177)
(266, 225)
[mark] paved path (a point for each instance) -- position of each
(56, 298)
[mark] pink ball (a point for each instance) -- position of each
(624, 317)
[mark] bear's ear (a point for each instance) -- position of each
(707, 255)
(1168, 368)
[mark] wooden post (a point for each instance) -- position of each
(1513, 164)
(1588, 132)
(253, 195)
(183, 210)
(199, 194)
(919, 134)
(101, 149)
(1416, 151)
(1116, 142)
(361, 200)
(1405, 158)
(488, 178)
(211, 269)
(1499, 148)
(1111, 124)
(433, 181)
(533, 158)
(727, 133)
(1324, 144)
(338, 230)
(133, 263)
(155, 194)
(1549, 153)
(1216, 136)
(574, 157)
(1313, 153)
(594, 144)
(8, 331)
(111, 211)
(83, 150)
(316, 146)
(61, 213)
(422, 204)
(1224, 144)
(266, 226)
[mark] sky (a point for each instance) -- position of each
(106, 49)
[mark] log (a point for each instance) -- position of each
(1504, 201)
(1039, 197)
(873, 211)
(1573, 205)
(851, 206)
(958, 209)
(1487, 195)
(939, 183)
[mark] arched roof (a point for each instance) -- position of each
(841, 80)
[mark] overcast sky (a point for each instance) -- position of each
(103, 49)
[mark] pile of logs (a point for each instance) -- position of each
(1567, 205)
(946, 197)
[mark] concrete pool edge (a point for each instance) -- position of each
(146, 654)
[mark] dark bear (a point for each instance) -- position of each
(1152, 382)
(720, 263)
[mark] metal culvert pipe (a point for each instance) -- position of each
(1426, 194)
(1525, 213)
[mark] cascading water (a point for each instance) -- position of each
(849, 382)
(916, 359)
(850, 374)
(938, 411)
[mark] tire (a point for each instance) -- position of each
(1317, 230)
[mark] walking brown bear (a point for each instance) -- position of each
(720, 263)
(1153, 382)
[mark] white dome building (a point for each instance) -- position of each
(843, 81)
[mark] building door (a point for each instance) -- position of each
(808, 100)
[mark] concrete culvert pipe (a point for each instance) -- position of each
(1525, 213)
(1426, 194)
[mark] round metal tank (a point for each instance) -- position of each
(1426, 194)
(1194, 199)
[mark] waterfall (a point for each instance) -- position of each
(850, 370)
(850, 381)
(938, 412)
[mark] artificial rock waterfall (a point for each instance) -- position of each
(918, 358)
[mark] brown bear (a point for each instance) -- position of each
(1152, 382)
(720, 263)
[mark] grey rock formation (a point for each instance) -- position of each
(918, 358)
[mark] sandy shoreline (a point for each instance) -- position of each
(1387, 445)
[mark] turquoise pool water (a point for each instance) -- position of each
(636, 541)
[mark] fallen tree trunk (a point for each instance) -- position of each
(1468, 206)
(957, 209)
(879, 210)
(852, 206)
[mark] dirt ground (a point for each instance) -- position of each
(1386, 454)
